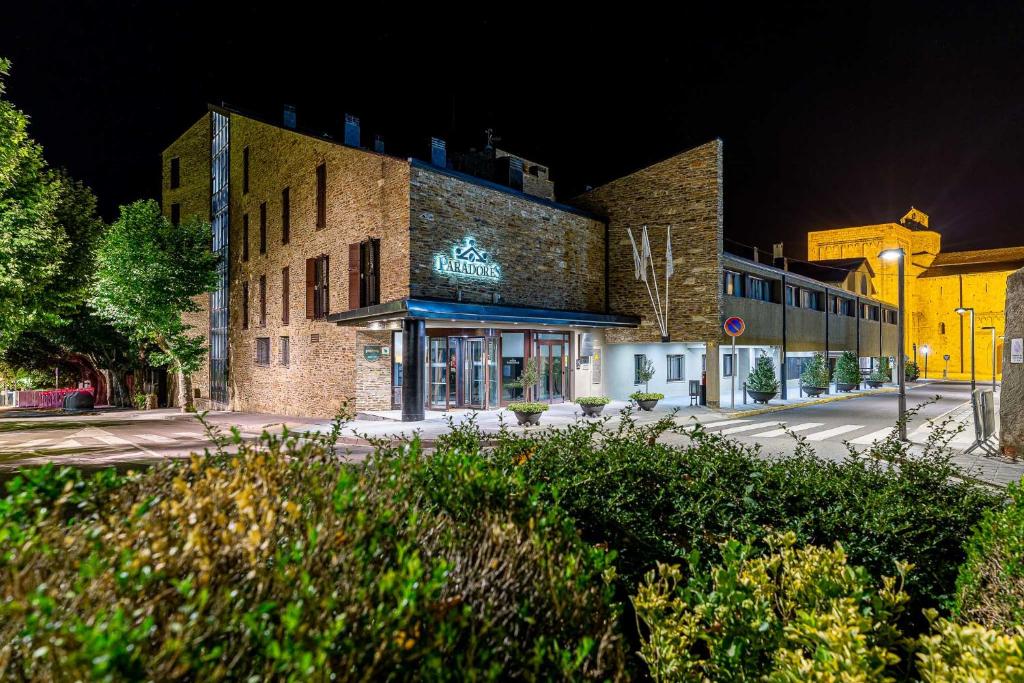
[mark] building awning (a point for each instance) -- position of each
(429, 309)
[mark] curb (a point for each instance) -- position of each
(810, 402)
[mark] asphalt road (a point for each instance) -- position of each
(859, 421)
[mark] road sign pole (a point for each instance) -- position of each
(734, 372)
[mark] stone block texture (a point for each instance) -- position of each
(684, 191)
(1011, 400)
(550, 257)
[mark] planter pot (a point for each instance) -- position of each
(814, 391)
(845, 387)
(647, 405)
(591, 411)
(761, 396)
(528, 418)
(874, 384)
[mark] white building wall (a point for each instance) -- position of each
(620, 363)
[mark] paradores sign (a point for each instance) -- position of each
(467, 260)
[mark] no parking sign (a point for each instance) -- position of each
(734, 326)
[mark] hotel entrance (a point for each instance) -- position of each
(481, 369)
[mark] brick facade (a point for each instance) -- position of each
(684, 191)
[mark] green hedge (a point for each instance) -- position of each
(280, 563)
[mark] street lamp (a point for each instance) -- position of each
(961, 310)
(992, 327)
(899, 256)
(924, 352)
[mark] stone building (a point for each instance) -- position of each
(937, 283)
(409, 285)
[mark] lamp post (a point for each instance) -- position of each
(961, 310)
(899, 256)
(993, 329)
(924, 352)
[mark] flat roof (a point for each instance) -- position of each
(435, 309)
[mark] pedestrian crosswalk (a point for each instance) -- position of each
(768, 428)
(99, 438)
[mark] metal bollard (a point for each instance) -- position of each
(744, 393)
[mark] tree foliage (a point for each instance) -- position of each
(148, 272)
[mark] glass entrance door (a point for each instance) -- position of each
(551, 370)
(474, 375)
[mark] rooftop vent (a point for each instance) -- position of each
(438, 152)
(378, 143)
(351, 130)
(289, 116)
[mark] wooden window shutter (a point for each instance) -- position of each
(353, 275)
(310, 286)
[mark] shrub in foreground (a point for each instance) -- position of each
(990, 588)
(279, 563)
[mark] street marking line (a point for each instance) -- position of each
(781, 432)
(112, 440)
(745, 428)
(835, 431)
(190, 435)
(868, 439)
(32, 444)
(155, 438)
(70, 443)
(716, 425)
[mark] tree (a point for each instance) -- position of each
(645, 373)
(763, 377)
(148, 272)
(33, 244)
(848, 369)
(815, 374)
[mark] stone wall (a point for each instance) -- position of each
(193, 196)
(1011, 399)
(685, 192)
(367, 197)
(549, 257)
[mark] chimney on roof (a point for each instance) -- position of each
(438, 152)
(351, 130)
(289, 116)
(778, 259)
(378, 143)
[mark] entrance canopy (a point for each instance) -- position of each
(428, 309)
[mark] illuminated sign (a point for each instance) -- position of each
(467, 260)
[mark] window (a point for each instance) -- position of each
(245, 170)
(175, 214)
(890, 316)
(942, 328)
(321, 196)
(263, 300)
(284, 296)
(759, 289)
(676, 368)
(245, 237)
(285, 352)
(869, 312)
(369, 273)
(175, 173)
(791, 295)
(263, 228)
(286, 216)
(317, 287)
(863, 284)
(245, 305)
(731, 284)
(263, 351)
(639, 367)
(810, 299)
(728, 364)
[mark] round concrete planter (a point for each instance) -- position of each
(761, 396)
(845, 387)
(647, 405)
(592, 411)
(874, 383)
(814, 391)
(528, 418)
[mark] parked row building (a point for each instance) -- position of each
(401, 284)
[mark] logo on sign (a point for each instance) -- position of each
(734, 326)
(467, 260)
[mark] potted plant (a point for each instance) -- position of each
(847, 372)
(592, 405)
(762, 384)
(911, 370)
(880, 375)
(815, 377)
(528, 413)
(646, 400)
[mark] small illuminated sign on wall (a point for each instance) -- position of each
(467, 260)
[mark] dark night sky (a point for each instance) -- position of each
(831, 114)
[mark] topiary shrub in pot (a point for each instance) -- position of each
(646, 400)
(815, 376)
(528, 413)
(881, 375)
(911, 370)
(762, 384)
(592, 405)
(847, 372)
